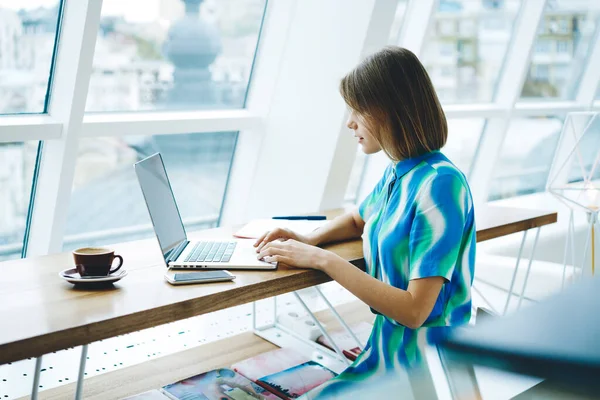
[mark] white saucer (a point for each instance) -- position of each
(71, 275)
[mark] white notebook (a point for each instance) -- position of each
(255, 228)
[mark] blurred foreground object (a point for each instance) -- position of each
(557, 339)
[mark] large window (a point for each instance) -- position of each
(465, 47)
(107, 205)
(17, 163)
(174, 54)
(526, 157)
(28, 32)
(562, 47)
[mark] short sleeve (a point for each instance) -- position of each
(438, 227)
(367, 204)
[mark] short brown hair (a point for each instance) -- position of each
(392, 92)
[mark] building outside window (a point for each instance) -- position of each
(479, 34)
(27, 37)
(562, 46)
(569, 29)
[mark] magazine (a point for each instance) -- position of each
(275, 375)
(294, 382)
(218, 384)
(269, 363)
(150, 395)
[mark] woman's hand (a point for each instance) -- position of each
(295, 254)
(279, 234)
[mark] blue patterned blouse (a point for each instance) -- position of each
(419, 223)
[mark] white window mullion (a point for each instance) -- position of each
(509, 89)
(537, 108)
(31, 127)
(164, 123)
(73, 67)
(483, 110)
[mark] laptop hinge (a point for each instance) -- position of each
(176, 251)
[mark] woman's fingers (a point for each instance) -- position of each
(261, 238)
(273, 248)
(270, 236)
(279, 259)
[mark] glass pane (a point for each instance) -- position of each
(466, 45)
(526, 156)
(107, 205)
(355, 176)
(561, 49)
(27, 36)
(398, 19)
(174, 54)
(17, 164)
(463, 139)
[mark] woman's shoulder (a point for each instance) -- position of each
(440, 169)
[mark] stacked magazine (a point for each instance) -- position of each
(278, 374)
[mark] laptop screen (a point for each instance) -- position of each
(160, 201)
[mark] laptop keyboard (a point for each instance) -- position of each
(211, 252)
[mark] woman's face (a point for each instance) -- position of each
(365, 138)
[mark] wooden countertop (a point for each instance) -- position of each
(42, 313)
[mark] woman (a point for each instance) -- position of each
(417, 225)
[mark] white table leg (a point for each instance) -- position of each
(460, 377)
(491, 307)
(573, 263)
(80, 376)
(322, 329)
(535, 241)
(585, 250)
(274, 310)
(512, 283)
(339, 317)
(567, 244)
(36, 378)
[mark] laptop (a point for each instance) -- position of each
(178, 251)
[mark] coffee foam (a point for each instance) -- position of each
(92, 251)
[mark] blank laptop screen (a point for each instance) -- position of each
(160, 201)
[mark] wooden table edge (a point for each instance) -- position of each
(95, 331)
(517, 226)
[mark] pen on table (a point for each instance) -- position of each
(303, 217)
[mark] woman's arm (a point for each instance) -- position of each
(345, 227)
(410, 307)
